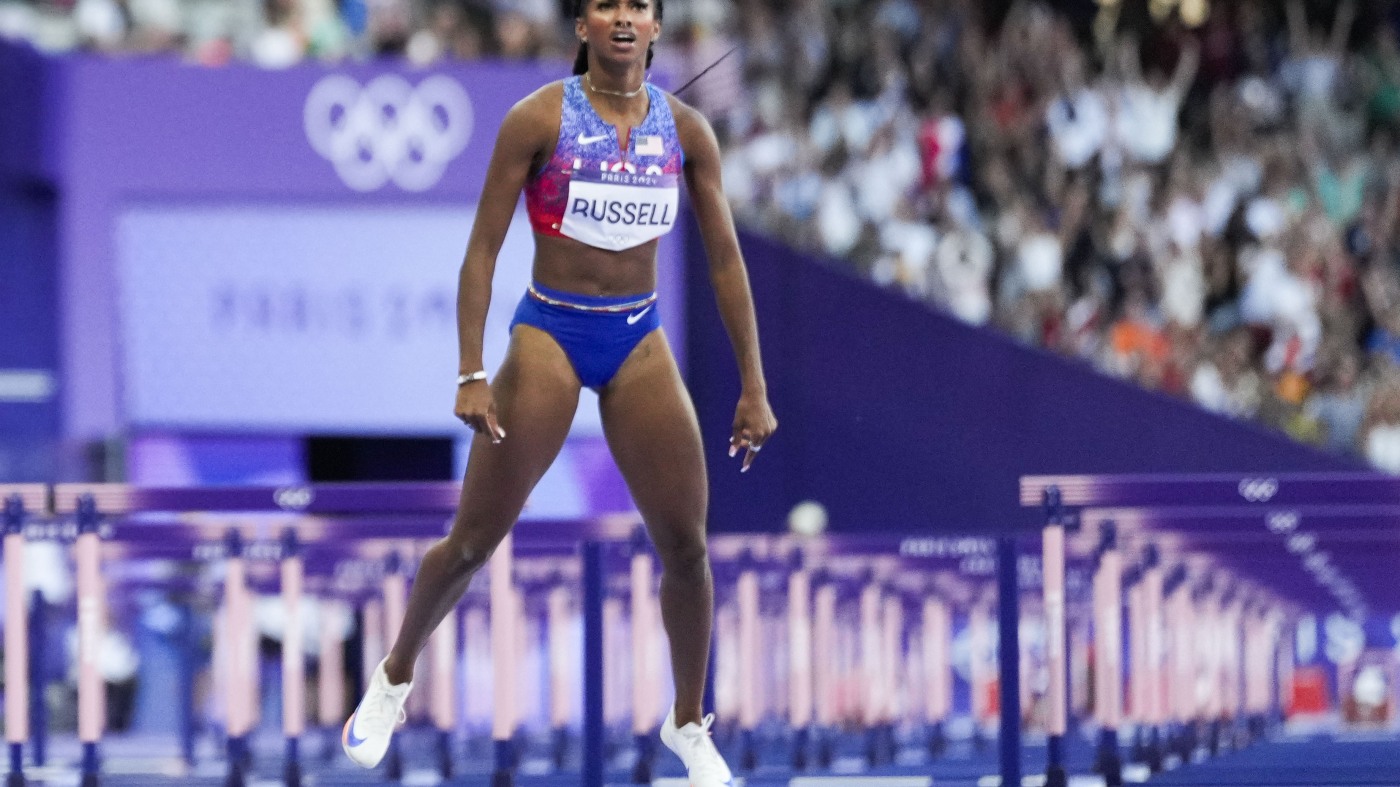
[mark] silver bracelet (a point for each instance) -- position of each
(463, 379)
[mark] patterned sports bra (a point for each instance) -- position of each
(604, 192)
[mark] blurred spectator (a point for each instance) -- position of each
(281, 33)
(1340, 403)
(1201, 198)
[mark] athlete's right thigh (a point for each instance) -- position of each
(536, 393)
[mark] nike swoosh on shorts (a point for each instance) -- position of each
(633, 318)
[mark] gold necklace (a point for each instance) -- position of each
(588, 80)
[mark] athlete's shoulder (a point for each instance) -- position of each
(545, 100)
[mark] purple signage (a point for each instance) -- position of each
(276, 252)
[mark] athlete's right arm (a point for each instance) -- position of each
(520, 143)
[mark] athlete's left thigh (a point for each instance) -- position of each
(651, 428)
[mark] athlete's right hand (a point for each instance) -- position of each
(477, 409)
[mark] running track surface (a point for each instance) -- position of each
(1285, 762)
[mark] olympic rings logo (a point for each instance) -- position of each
(1258, 490)
(293, 498)
(1282, 522)
(388, 129)
(1301, 543)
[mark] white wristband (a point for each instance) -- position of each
(463, 379)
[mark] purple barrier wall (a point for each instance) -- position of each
(28, 271)
(898, 418)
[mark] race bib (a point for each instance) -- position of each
(619, 210)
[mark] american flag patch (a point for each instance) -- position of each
(650, 145)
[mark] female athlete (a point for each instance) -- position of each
(599, 156)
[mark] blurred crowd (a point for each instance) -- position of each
(1199, 196)
(281, 33)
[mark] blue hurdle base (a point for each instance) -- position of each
(291, 769)
(90, 766)
(238, 761)
(559, 747)
(646, 758)
(393, 761)
(443, 751)
(1055, 775)
(16, 777)
(801, 739)
(826, 749)
(1107, 762)
(1153, 755)
(937, 740)
(504, 774)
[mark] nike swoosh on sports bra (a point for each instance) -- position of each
(605, 193)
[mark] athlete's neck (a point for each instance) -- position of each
(630, 86)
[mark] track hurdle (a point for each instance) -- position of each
(19, 501)
(887, 621)
(1056, 641)
(94, 504)
(880, 611)
(800, 658)
(1291, 518)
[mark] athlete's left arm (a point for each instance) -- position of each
(754, 422)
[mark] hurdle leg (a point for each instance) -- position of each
(892, 638)
(559, 613)
(91, 691)
(800, 662)
(593, 720)
(643, 712)
(1056, 698)
(1136, 666)
(872, 669)
(1210, 713)
(1108, 641)
(189, 654)
(1183, 668)
(749, 661)
(980, 640)
(1009, 625)
(239, 661)
(394, 589)
(443, 701)
(17, 667)
(38, 678)
(1153, 582)
(824, 670)
(503, 646)
(330, 676)
(293, 660)
(937, 638)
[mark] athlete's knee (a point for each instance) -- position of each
(684, 556)
(467, 555)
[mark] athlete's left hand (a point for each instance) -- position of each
(754, 423)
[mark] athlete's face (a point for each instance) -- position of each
(618, 29)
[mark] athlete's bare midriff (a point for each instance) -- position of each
(569, 266)
(566, 263)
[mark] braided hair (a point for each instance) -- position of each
(581, 60)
